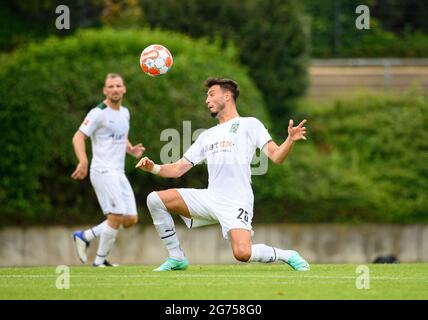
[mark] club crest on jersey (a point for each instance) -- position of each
(234, 127)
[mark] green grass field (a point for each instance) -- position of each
(214, 282)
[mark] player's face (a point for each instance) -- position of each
(215, 101)
(114, 89)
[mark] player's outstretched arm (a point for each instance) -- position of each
(170, 170)
(278, 154)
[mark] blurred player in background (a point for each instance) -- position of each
(228, 148)
(107, 125)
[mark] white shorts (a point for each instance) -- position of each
(208, 207)
(114, 193)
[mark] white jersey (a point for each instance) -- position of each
(108, 130)
(229, 148)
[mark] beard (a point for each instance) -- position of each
(217, 108)
(115, 100)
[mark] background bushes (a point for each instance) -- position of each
(364, 161)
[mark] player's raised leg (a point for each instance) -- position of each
(245, 251)
(160, 205)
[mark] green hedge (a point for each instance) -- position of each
(365, 161)
(47, 90)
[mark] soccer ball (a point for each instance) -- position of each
(156, 60)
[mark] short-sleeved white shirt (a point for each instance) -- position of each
(229, 148)
(108, 130)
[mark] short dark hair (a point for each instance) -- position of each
(225, 84)
(113, 76)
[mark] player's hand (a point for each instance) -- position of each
(296, 133)
(145, 164)
(81, 171)
(137, 150)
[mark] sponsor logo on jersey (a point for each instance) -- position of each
(117, 137)
(222, 145)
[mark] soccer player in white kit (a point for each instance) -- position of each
(107, 125)
(228, 149)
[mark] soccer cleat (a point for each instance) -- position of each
(81, 245)
(298, 263)
(105, 264)
(172, 264)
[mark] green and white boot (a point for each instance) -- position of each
(172, 264)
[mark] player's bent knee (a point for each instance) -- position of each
(242, 254)
(115, 220)
(130, 221)
(152, 200)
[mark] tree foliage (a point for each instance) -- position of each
(272, 37)
(397, 28)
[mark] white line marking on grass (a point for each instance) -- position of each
(296, 275)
